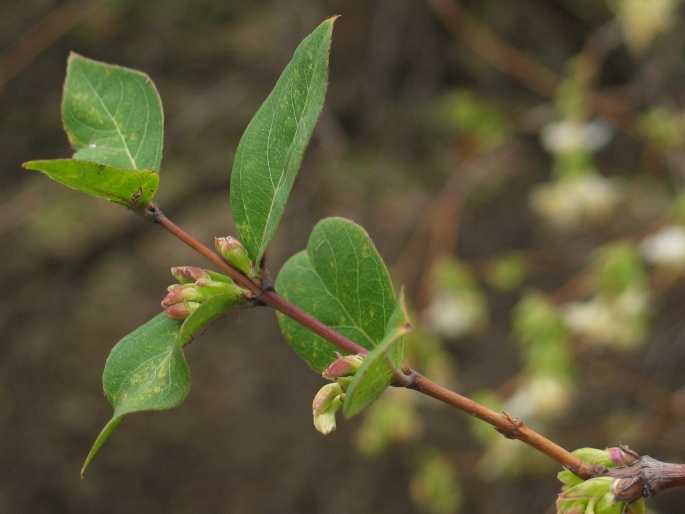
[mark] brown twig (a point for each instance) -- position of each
(645, 477)
(265, 296)
(510, 427)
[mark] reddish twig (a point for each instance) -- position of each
(510, 427)
(265, 296)
(644, 477)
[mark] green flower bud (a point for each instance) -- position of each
(607, 504)
(590, 489)
(326, 403)
(595, 456)
(571, 507)
(234, 252)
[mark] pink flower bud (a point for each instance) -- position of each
(180, 293)
(189, 274)
(181, 311)
(623, 456)
(343, 366)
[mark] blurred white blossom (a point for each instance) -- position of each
(541, 396)
(665, 247)
(570, 202)
(453, 313)
(568, 135)
(610, 320)
(644, 20)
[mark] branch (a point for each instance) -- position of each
(265, 296)
(643, 477)
(510, 427)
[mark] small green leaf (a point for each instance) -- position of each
(342, 281)
(112, 115)
(209, 311)
(126, 187)
(270, 152)
(374, 376)
(145, 371)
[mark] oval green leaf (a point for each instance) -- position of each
(125, 187)
(374, 375)
(112, 115)
(342, 281)
(146, 370)
(270, 152)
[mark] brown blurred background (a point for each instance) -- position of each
(78, 273)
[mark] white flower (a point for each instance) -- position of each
(541, 396)
(644, 20)
(606, 320)
(667, 247)
(454, 313)
(570, 202)
(566, 136)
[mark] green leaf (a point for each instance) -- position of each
(112, 115)
(126, 187)
(145, 371)
(374, 375)
(209, 311)
(270, 152)
(342, 281)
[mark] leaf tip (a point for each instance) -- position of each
(73, 56)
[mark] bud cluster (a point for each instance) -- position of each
(596, 495)
(330, 397)
(195, 286)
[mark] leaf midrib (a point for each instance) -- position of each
(111, 116)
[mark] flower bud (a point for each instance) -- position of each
(594, 456)
(207, 288)
(623, 456)
(570, 507)
(606, 504)
(326, 403)
(234, 252)
(197, 286)
(589, 489)
(181, 311)
(343, 366)
(179, 293)
(189, 274)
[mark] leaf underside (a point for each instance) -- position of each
(125, 187)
